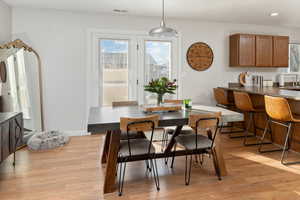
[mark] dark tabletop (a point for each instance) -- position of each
(102, 119)
(271, 91)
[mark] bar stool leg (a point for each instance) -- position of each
(285, 150)
(240, 130)
(267, 127)
(247, 130)
(251, 121)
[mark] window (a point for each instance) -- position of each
(158, 62)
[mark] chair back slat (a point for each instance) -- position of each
(203, 124)
(221, 96)
(243, 101)
(278, 108)
(144, 125)
(124, 103)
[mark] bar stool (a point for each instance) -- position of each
(222, 98)
(243, 102)
(223, 102)
(279, 112)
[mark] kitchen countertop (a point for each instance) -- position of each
(286, 92)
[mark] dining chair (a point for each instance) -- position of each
(200, 140)
(137, 149)
(279, 112)
(222, 100)
(117, 104)
(244, 103)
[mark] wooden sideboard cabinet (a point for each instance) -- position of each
(249, 50)
(11, 134)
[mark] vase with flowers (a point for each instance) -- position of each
(161, 86)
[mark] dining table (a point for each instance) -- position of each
(107, 120)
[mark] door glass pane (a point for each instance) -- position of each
(114, 63)
(157, 63)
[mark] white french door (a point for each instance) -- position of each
(128, 62)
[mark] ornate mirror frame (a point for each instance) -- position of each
(19, 44)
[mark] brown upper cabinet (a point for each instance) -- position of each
(280, 51)
(264, 51)
(242, 50)
(258, 50)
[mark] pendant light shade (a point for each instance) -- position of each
(163, 30)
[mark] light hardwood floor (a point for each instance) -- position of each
(74, 173)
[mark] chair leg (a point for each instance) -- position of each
(267, 129)
(247, 132)
(173, 157)
(199, 158)
(163, 141)
(215, 161)
(231, 131)
(285, 150)
(121, 177)
(155, 173)
(188, 169)
(148, 166)
(14, 163)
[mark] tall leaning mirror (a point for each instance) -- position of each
(21, 83)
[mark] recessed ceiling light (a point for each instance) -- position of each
(274, 14)
(120, 11)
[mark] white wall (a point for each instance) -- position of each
(61, 39)
(5, 22)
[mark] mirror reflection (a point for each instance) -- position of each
(21, 90)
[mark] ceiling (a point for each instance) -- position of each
(235, 11)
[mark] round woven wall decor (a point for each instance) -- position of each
(200, 56)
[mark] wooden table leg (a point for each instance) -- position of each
(172, 141)
(105, 147)
(219, 155)
(111, 167)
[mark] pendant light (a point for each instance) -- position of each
(162, 30)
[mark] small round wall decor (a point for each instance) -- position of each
(200, 56)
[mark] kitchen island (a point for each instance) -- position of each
(257, 96)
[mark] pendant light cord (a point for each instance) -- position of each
(163, 14)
